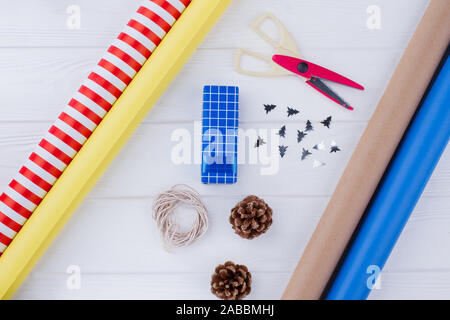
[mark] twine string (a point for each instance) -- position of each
(167, 222)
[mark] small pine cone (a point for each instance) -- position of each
(251, 217)
(231, 281)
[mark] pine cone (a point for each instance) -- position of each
(251, 217)
(231, 281)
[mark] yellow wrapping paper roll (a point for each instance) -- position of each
(106, 141)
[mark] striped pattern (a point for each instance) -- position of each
(84, 112)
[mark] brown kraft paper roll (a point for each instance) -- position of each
(372, 154)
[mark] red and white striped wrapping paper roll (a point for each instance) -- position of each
(84, 112)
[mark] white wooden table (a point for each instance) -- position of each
(112, 237)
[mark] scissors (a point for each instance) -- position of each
(287, 61)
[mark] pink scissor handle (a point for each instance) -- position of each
(307, 70)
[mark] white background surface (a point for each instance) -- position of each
(112, 237)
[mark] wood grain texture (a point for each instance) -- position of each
(112, 236)
(196, 286)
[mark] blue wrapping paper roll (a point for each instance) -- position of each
(407, 176)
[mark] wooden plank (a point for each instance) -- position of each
(49, 77)
(139, 165)
(417, 285)
(120, 236)
(425, 285)
(143, 286)
(39, 23)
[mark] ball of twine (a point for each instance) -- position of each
(163, 213)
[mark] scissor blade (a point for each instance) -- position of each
(308, 70)
(317, 84)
